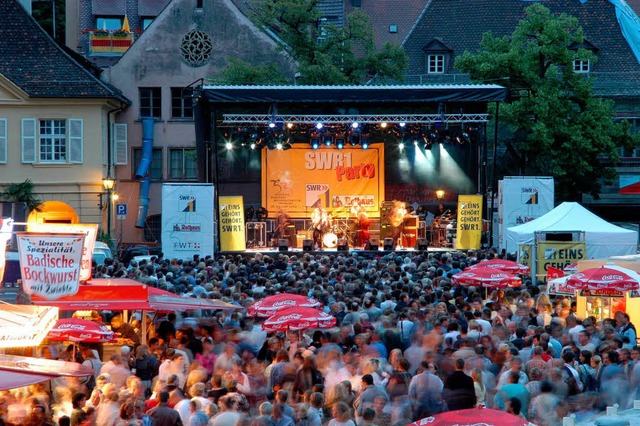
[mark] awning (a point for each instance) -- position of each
(123, 293)
(24, 325)
(18, 371)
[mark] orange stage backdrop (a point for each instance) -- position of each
(299, 179)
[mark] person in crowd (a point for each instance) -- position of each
(162, 414)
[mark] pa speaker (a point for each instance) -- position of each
(343, 244)
(283, 244)
(307, 245)
(388, 244)
(422, 244)
(372, 244)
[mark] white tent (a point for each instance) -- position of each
(602, 238)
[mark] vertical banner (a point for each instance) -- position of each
(524, 255)
(558, 255)
(89, 230)
(231, 218)
(6, 228)
(50, 263)
(187, 220)
(469, 221)
(521, 200)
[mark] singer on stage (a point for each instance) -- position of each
(320, 224)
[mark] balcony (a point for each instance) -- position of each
(109, 43)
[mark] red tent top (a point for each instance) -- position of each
(123, 293)
(18, 371)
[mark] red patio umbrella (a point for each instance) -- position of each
(79, 330)
(272, 304)
(298, 319)
(473, 416)
(608, 277)
(486, 277)
(502, 265)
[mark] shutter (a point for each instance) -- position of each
(29, 140)
(3, 141)
(75, 140)
(120, 148)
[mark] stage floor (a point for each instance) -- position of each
(333, 251)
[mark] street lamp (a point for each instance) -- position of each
(440, 194)
(108, 184)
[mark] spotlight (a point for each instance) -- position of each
(253, 145)
(279, 145)
(328, 140)
(272, 124)
(355, 124)
(383, 125)
(401, 146)
(428, 146)
(339, 143)
(315, 143)
(415, 142)
(402, 124)
(354, 140)
(364, 144)
(319, 125)
(229, 146)
(289, 125)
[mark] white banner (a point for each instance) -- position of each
(187, 220)
(522, 199)
(50, 263)
(89, 230)
(6, 228)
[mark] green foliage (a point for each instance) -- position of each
(324, 54)
(22, 193)
(103, 236)
(241, 73)
(42, 11)
(558, 127)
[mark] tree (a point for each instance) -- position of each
(241, 73)
(558, 127)
(42, 11)
(325, 54)
(22, 193)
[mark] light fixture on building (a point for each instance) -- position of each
(440, 194)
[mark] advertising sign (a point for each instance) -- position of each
(522, 199)
(89, 230)
(6, 227)
(301, 178)
(187, 220)
(524, 255)
(469, 222)
(231, 218)
(50, 263)
(558, 255)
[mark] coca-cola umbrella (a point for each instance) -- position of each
(298, 319)
(80, 330)
(508, 266)
(486, 277)
(607, 277)
(473, 416)
(272, 304)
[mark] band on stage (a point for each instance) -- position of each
(352, 223)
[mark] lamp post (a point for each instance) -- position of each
(440, 194)
(108, 184)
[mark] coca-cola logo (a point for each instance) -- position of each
(499, 276)
(612, 277)
(284, 303)
(290, 317)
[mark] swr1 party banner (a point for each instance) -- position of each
(301, 178)
(50, 263)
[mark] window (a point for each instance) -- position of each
(393, 28)
(155, 169)
(181, 105)
(53, 140)
(109, 23)
(581, 66)
(146, 22)
(3, 141)
(150, 102)
(435, 64)
(182, 164)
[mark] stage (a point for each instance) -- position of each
(360, 252)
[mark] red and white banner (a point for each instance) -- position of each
(6, 227)
(50, 263)
(90, 230)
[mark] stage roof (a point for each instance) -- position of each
(355, 94)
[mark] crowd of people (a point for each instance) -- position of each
(409, 343)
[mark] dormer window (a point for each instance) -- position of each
(581, 65)
(437, 56)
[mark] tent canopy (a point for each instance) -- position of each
(123, 293)
(18, 371)
(602, 238)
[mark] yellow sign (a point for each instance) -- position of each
(231, 217)
(299, 179)
(558, 254)
(524, 255)
(469, 229)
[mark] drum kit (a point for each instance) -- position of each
(337, 228)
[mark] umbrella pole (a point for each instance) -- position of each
(73, 356)
(143, 328)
